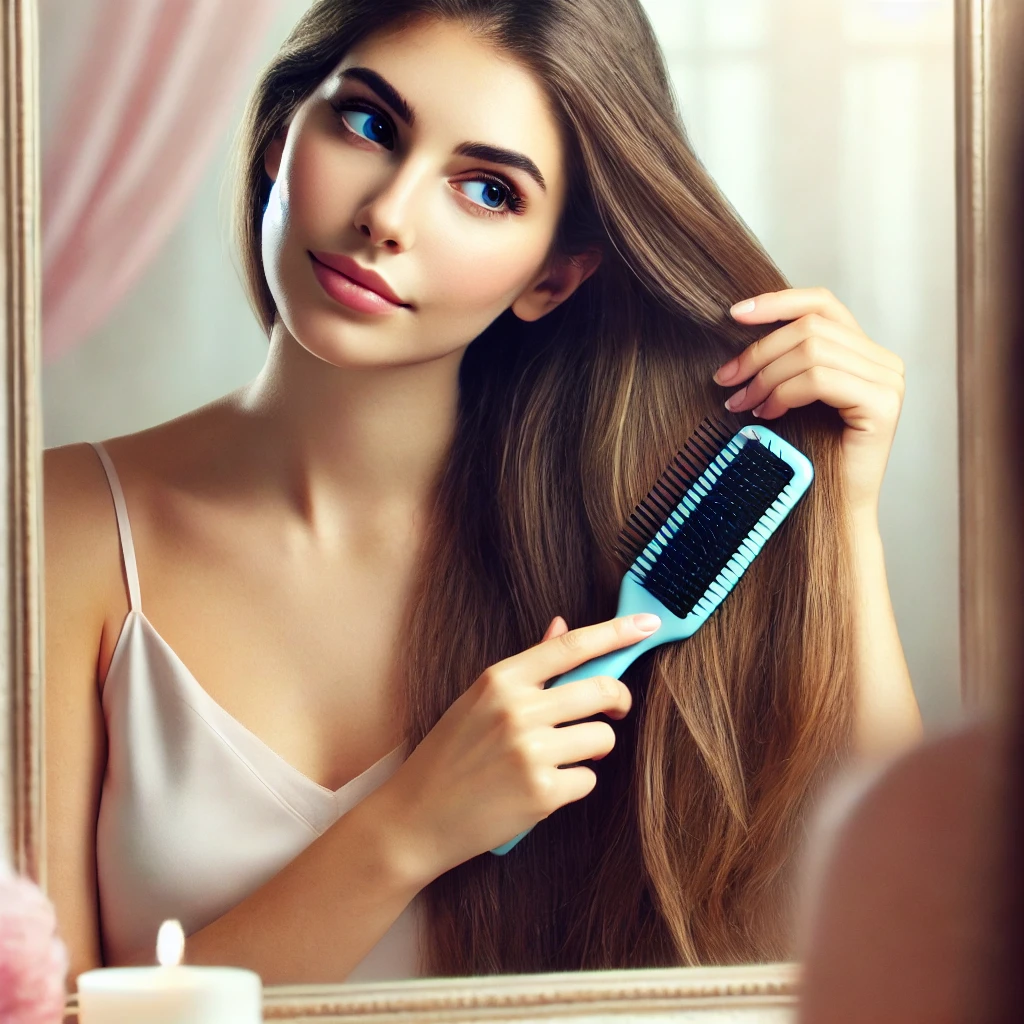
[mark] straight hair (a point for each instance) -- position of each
(682, 854)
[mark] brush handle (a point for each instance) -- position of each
(613, 664)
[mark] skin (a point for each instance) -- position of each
(277, 529)
(823, 355)
(916, 852)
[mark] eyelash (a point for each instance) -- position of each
(513, 201)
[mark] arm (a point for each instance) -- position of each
(488, 770)
(495, 750)
(80, 562)
(326, 909)
(823, 355)
(352, 869)
(887, 717)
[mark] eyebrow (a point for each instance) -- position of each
(475, 150)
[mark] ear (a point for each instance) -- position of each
(555, 283)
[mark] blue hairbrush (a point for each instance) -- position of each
(696, 533)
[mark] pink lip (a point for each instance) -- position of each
(352, 285)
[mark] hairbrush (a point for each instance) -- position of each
(695, 534)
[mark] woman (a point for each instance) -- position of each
(358, 552)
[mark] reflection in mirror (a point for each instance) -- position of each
(486, 296)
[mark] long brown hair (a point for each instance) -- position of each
(680, 855)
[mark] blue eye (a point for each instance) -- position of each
(370, 126)
(492, 194)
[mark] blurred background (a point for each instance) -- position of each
(829, 124)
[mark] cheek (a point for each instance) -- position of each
(298, 209)
(274, 227)
(483, 271)
(316, 171)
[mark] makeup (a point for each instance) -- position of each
(363, 296)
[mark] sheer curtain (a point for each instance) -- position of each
(131, 129)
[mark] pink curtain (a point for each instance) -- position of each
(152, 97)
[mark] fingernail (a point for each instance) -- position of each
(756, 411)
(646, 622)
(743, 307)
(725, 373)
(736, 400)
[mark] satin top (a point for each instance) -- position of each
(196, 812)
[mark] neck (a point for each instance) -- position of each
(350, 443)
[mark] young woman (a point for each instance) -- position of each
(497, 287)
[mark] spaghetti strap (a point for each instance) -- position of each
(124, 529)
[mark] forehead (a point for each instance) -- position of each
(463, 88)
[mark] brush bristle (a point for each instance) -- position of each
(683, 472)
(695, 548)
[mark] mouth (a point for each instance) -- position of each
(352, 286)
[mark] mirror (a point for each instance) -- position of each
(848, 184)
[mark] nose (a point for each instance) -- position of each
(386, 217)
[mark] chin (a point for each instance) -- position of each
(340, 348)
(351, 340)
(352, 345)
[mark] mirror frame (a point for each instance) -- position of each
(762, 992)
(989, 35)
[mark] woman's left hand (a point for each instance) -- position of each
(821, 355)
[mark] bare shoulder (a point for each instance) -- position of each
(907, 814)
(81, 540)
(81, 556)
(903, 897)
(80, 532)
(147, 458)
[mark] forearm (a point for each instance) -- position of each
(325, 910)
(887, 717)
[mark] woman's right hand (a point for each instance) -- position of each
(490, 768)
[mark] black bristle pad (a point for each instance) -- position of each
(713, 532)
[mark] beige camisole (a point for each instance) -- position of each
(196, 812)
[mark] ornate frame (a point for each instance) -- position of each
(988, 32)
(21, 679)
(761, 992)
(765, 993)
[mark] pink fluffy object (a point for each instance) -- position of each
(33, 960)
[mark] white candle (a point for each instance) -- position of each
(172, 993)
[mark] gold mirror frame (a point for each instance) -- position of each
(762, 992)
(989, 39)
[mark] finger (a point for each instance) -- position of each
(813, 326)
(791, 303)
(553, 657)
(556, 627)
(861, 403)
(587, 741)
(586, 697)
(809, 353)
(574, 783)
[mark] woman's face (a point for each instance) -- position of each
(383, 169)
